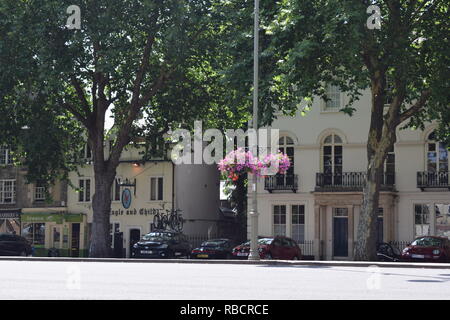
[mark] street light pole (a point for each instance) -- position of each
(254, 253)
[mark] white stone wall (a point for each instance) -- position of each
(308, 132)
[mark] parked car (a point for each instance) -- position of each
(428, 249)
(279, 247)
(388, 253)
(213, 249)
(162, 244)
(14, 245)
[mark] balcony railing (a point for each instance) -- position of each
(426, 179)
(350, 181)
(281, 182)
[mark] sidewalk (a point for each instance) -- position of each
(244, 262)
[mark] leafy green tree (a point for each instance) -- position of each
(150, 60)
(329, 42)
(307, 45)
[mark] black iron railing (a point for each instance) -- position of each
(281, 182)
(350, 181)
(427, 179)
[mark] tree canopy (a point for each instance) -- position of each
(154, 65)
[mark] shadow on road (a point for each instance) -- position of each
(438, 278)
(295, 266)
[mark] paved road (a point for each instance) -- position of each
(115, 280)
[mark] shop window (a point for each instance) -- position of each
(7, 191)
(10, 225)
(298, 223)
(279, 220)
(442, 220)
(113, 228)
(56, 237)
(84, 194)
(34, 233)
(156, 188)
(422, 220)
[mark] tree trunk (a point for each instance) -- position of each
(380, 139)
(365, 249)
(100, 244)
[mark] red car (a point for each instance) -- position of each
(282, 248)
(428, 249)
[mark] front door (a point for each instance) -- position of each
(135, 236)
(118, 245)
(75, 243)
(340, 232)
(379, 229)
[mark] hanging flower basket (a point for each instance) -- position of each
(239, 162)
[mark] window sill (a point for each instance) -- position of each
(330, 111)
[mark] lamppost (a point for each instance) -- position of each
(254, 253)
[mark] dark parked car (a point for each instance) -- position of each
(388, 253)
(280, 247)
(162, 244)
(428, 249)
(213, 249)
(14, 245)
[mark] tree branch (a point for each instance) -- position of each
(75, 112)
(415, 108)
(81, 96)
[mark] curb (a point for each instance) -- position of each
(281, 263)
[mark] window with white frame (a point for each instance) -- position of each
(156, 188)
(437, 155)
(442, 211)
(279, 220)
(39, 192)
(422, 220)
(7, 191)
(333, 101)
(389, 91)
(113, 228)
(389, 167)
(298, 222)
(286, 146)
(84, 193)
(87, 152)
(34, 233)
(340, 212)
(5, 156)
(332, 159)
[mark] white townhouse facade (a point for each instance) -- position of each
(143, 189)
(318, 201)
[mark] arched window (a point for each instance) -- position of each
(437, 155)
(332, 156)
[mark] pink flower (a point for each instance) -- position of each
(239, 162)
